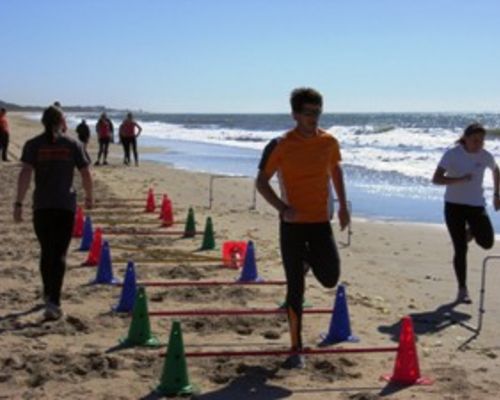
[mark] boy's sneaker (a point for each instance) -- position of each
(463, 296)
(295, 361)
(52, 312)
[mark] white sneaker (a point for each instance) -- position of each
(463, 296)
(52, 312)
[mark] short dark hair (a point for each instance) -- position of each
(3, 110)
(52, 116)
(304, 95)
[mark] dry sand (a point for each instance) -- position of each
(391, 269)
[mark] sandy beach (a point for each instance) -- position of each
(390, 269)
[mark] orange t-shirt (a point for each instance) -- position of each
(304, 167)
(4, 125)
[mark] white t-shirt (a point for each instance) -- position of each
(458, 162)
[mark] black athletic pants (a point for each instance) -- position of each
(310, 243)
(127, 142)
(103, 149)
(458, 217)
(53, 228)
(4, 144)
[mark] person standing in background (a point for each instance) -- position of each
(4, 134)
(104, 130)
(83, 132)
(128, 137)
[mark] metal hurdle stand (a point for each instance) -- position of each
(482, 310)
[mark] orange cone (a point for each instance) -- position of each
(406, 368)
(95, 249)
(150, 202)
(79, 221)
(168, 214)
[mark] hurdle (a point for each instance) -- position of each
(228, 312)
(208, 283)
(482, 293)
(266, 353)
(119, 232)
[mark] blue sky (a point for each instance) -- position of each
(246, 56)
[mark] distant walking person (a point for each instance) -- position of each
(4, 134)
(104, 129)
(129, 131)
(461, 169)
(54, 157)
(83, 132)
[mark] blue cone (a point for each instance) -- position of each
(340, 327)
(88, 234)
(249, 271)
(104, 269)
(129, 289)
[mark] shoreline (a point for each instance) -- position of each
(390, 270)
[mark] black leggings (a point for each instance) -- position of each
(53, 228)
(4, 144)
(310, 243)
(103, 149)
(458, 217)
(127, 142)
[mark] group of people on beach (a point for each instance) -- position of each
(307, 160)
(128, 133)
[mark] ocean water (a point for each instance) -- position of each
(388, 158)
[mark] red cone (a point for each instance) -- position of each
(406, 368)
(168, 214)
(163, 205)
(95, 249)
(79, 222)
(150, 202)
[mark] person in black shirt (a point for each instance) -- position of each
(53, 157)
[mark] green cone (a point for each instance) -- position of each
(139, 333)
(208, 236)
(190, 227)
(174, 378)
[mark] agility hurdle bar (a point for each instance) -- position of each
(258, 353)
(108, 231)
(255, 311)
(207, 283)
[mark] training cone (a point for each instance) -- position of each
(340, 327)
(208, 236)
(174, 378)
(150, 202)
(129, 289)
(163, 203)
(88, 233)
(104, 274)
(139, 333)
(95, 249)
(168, 214)
(249, 271)
(406, 368)
(78, 226)
(190, 227)
(233, 254)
